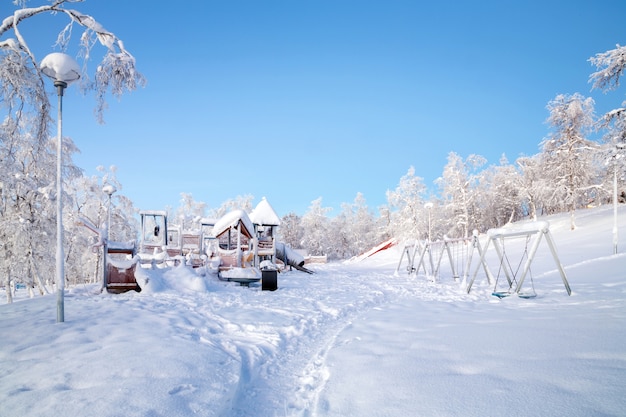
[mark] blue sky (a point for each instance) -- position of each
(296, 100)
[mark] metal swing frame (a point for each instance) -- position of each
(540, 229)
(511, 279)
(421, 248)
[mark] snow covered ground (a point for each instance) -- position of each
(353, 339)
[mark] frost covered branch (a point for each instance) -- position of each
(115, 74)
(610, 65)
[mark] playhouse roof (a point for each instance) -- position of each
(264, 214)
(231, 220)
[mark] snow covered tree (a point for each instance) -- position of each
(84, 252)
(531, 185)
(613, 156)
(406, 205)
(27, 227)
(238, 203)
(458, 192)
(568, 156)
(384, 223)
(91, 204)
(316, 226)
(610, 67)
(27, 165)
(355, 229)
(500, 195)
(290, 231)
(365, 225)
(190, 212)
(124, 225)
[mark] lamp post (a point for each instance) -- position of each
(429, 207)
(108, 190)
(616, 155)
(63, 70)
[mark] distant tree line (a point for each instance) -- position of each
(571, 172)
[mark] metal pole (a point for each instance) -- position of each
(105, 247)
(552, 246)
(619, 146)
(109, 219)
(615, 205)
(429, 207)
(108, 190)
(60, 261)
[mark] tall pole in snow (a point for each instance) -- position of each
(429, 207)
(616, 156)
(615, 205)
(60, 255)
(63, 70)
(108, 190)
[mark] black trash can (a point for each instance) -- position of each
(269, 280)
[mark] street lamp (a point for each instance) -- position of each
(429, 207)
(63, 70)
(108, 190)
(616, 155)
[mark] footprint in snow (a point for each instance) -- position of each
(182, 389)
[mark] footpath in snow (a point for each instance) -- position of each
(353, 339)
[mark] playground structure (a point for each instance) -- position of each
(119, 261)
(119, 267)
(236, 247)
(427, 257)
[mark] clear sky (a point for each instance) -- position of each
(296, 100)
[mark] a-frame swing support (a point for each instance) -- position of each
(417, 251)
(411, 250)
(540, 228)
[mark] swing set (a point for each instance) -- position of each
(497, 237)
(428, 256)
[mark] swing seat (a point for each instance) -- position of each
(526, 295)
(501, 294)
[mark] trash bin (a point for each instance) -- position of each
(269, 280)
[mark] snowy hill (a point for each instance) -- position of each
(353, 339)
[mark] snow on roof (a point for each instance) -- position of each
(264, 214)
(231, 219)
(206, 221)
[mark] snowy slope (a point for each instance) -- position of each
(353, 339)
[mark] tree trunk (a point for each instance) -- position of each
(533, 210)
(96, 271)
(8, 288)
(40, 284)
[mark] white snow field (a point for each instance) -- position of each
(353, 339)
